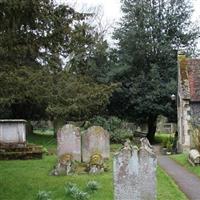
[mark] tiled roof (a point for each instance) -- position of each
(190, 78)
(194, 78)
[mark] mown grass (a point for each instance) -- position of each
(166, 187)
(182, 160)
(162, 137)
(21, 180)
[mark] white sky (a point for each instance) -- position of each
(111, 9)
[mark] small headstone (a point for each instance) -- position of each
(96, 164)
(135, 173)
(194, 157)
(95, 140)
(64, 166)
(69, 142)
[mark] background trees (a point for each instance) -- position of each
(46, 54)
(55, 64)
(149, 35)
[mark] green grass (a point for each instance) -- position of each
(44, 131)
(166, 188)
(21, 180)
(162, 137)
(182, 160)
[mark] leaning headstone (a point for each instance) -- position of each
(69, 142)
(194, 157)
(135, 173)
(95, 140)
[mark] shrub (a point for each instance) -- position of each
(73, 191)
(121, 135)
(92, 186)
(114, 125)
(110, 124)
(43, 195)
(167, 142)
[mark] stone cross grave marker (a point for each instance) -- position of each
(95, 140)
(69, 142)
(135, 173)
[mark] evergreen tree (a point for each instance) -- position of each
(45, 51)
(149, 35)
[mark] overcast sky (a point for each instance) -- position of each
(111, 8)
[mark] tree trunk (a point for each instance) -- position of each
(57, 123)
(152, 121)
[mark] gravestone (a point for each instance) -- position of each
(64, 165)
(12, 131)
(135, 173)
(194, 157)
(95, 140)
(69, 142)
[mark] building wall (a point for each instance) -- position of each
(184, 139)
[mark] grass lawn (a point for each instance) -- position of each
(182, 160)
(162, 137)
(21, 180)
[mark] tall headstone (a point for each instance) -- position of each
(135, 173)
(95, 140)
(69, 142)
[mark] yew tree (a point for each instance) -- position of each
(46, 50)
(148, 37)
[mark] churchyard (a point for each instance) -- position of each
(23, 179)
(80, 102)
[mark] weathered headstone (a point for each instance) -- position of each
(95, 140)
(69, 142)
(194, 157)
(135, 173)
(12, 131)
(96, 164)
(64, 165)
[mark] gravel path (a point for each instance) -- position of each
(187, 182)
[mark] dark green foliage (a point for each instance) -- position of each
(92, 186)
(77, 97)
(47, 53)
(35, 33)
(43, 195)
(73, 191)
(110, 124)
(25, 91)
(149, 35)
(114, 125)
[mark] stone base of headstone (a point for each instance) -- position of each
(20, 151)
(96, 164)
(64, 166)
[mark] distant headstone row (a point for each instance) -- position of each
(93, 141)
(135, 173)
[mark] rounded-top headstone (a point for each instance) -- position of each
(69, 142)
(95, 140)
